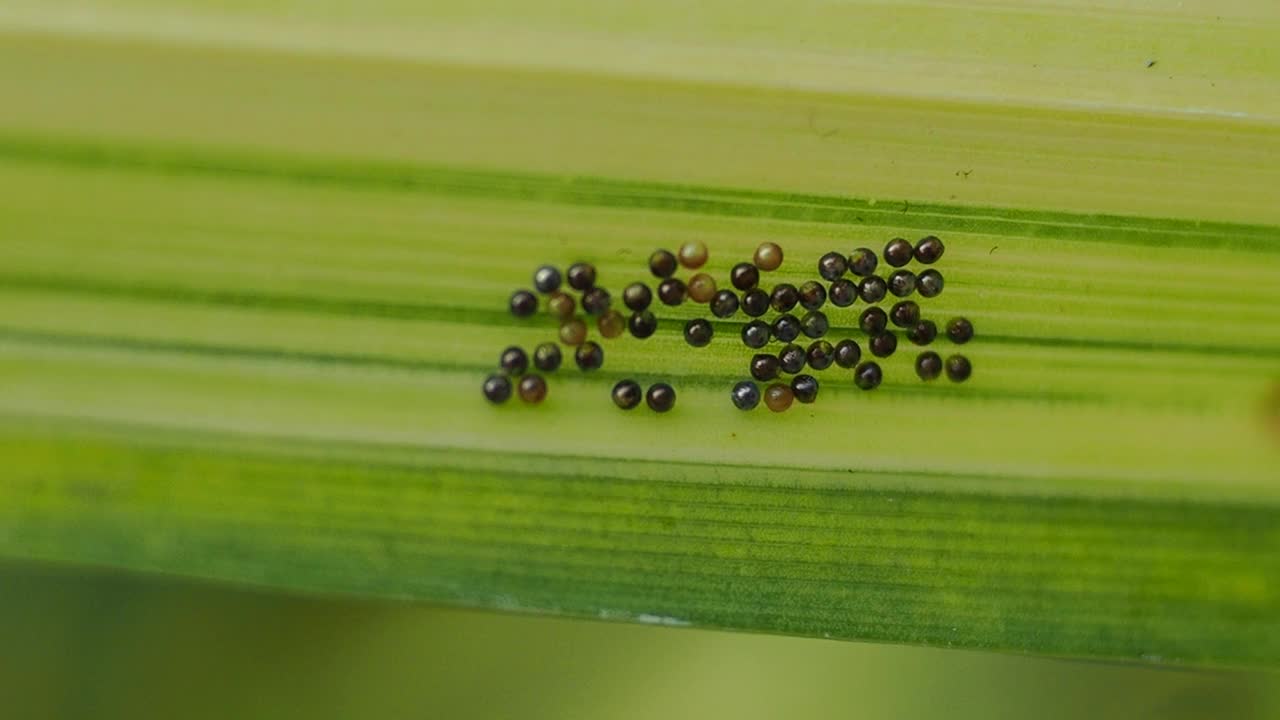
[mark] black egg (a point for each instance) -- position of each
(848, 353)
(929, 249)
(745, 395)
(755, 334)
(867, 376)
(923, 332)
(842, 293)
(784, 297)
(547, 357)
(812, 295)
(663, 263)
(497, 389)
(883, 345)
(786, 328)
(929, 283)
(831, 266)
(755, 302)
(661, 397)
(744, 276)
(820, 355)
(698, 332)
(627, 394)
(791, 359)
(546, 279)
(637, 296)
(872, 289)
(589, 356)
(764, 367)
(905, 313)
(898, 252)
(581, 276)
(724, 304)
(873, 320)
(523, 303)
(902, 283)
(596, 300)
(862, 262)
(814, 324)
(672, 291)
(960, 330)
(958, 368)
(805, 388)
(928, 365)
(513, 361)
(642, 324)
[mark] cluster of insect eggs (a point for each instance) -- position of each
(754, 302)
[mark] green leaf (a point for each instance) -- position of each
(247, 298)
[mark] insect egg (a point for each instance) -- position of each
(546, 279)
(581, 276)
(755, 302)
(929, 283)
(768, 256)
(831, 266)
(701, 288)
(804, 388)
(905, 313)
(642, 324)
(523, 303)
(898, 252)
(960, 330)
(671, 291)
(883, 344)
(589, 356)
(958, 368)
(744, 276)
(812, 295)
(755, 334)
(627, 394)
(842, 292)
(637, 297)
(547, 357)
(929, 249)
(724, 304)
(662, 264)
(784, 297)
(791, 358)
(902, 283)
(573, 332)
(872, 289)
(814, 324)
(513, 361)
(848, 353)
(661, 397)
(698, 332)
(693, 255)
(862, 262)
(497, 388)
(923, 332)
(778, 397)
(611, 324)
(873, 320)
(786, 328)
(745, 395)
(532, 389)
(820, 355)
(928, 365)
(867, 376)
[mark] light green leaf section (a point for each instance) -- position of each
(249, 287)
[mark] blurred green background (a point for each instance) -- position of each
(96, 644)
